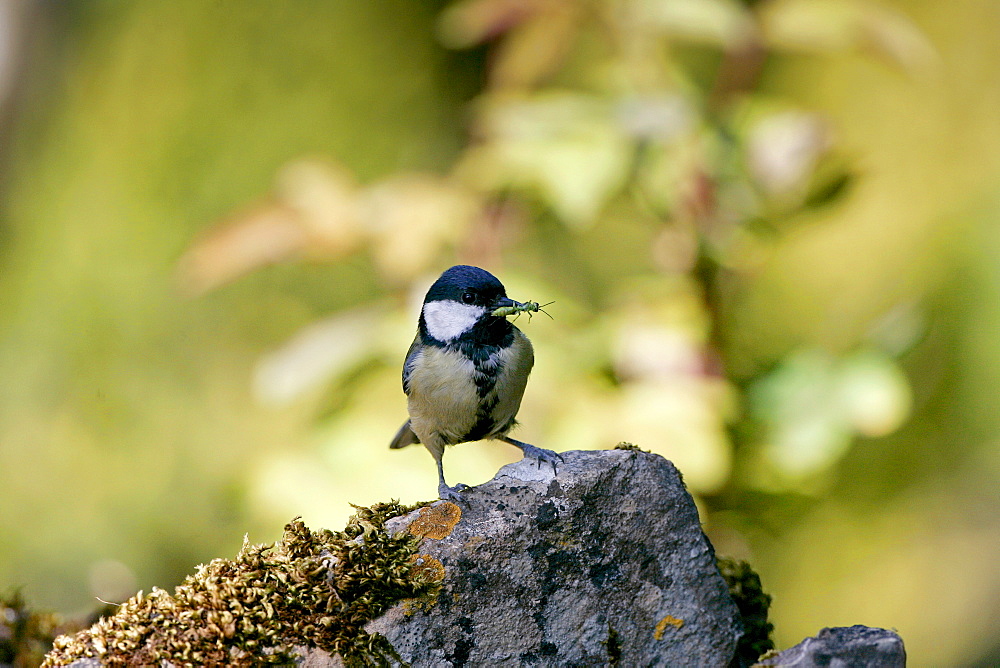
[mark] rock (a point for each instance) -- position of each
(602, 563)
(844, 647)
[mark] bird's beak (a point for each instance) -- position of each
(504, 302)
(505, 306)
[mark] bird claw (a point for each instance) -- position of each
(452, 494)
(541, 455)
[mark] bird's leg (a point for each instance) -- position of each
(446, 493)
(536, 453)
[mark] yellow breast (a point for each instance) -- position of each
(443, 400)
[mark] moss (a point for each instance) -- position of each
(630, 446)
(614, 646)
(769, 654)
(753, 603)
(314, 589)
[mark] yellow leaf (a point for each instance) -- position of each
(412, 217)
(725, 23)
(536, 47)
(325, 197)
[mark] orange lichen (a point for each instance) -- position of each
(662, 625)
(436, 521)
(427, 567)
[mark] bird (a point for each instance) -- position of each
(466, 370)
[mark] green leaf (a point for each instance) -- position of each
(814, 404)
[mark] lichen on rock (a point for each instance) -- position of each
(310, 589)
(600, 561)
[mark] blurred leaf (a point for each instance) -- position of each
(564, 147)
(256, 237)
(675, 248)
(900, 328)
(324, 194)
(318, 212)
(659, 340)
(536, 47)
(783, 149)
(837, 25)
(663, 117)
(465, 24)
(725, 23)
(806, 430)
(656, 352)
(829, 189)
(313, 212)
(411, 218)
(317, 355)
(667, 173)
(813, 404)
(873, 393)
(537, 35)
(667, 400)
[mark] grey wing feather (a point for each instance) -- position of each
(411, 356)
(404, 437)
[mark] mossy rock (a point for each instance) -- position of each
(310, 589)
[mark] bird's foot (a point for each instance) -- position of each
(452, 494)
(539, 454)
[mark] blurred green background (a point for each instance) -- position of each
(771, 230)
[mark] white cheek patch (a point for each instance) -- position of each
(447, 320)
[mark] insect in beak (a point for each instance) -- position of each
(516, 308)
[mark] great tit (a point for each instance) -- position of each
(465, 371)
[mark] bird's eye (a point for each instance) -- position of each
(468, 298)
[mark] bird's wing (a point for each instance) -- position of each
(404, 437)
(411, 356)
(515, 364)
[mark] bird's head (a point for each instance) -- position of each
(462, 298)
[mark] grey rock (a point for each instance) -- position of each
(844, 647)
(603, 563)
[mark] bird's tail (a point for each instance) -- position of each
(404, 437)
